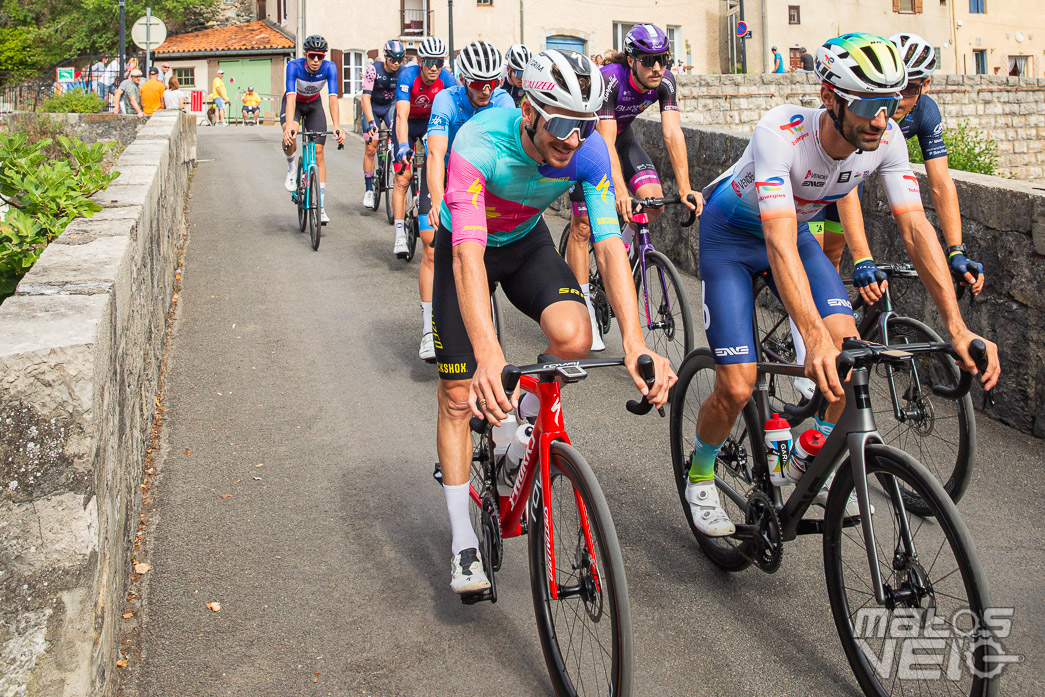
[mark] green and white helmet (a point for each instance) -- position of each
(861, 63)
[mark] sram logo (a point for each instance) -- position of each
(731, 351)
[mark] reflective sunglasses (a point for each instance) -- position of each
(480, 85)
(394, 59)
(517, 74)
(913, 89)
(650, 60)
(432, 62)
(562, 127)
(870, 107)
(315, 56)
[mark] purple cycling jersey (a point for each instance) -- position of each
(625, 100)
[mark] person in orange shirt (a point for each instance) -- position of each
(152, 92)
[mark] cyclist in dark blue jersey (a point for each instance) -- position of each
(378, 103)
(515, 61)
(306, 78)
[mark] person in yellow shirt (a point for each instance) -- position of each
(251, 100)
(221, 99)
(152, 92)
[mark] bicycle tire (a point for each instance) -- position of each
(411, 238)
(376, 182)
(389, 185)
(302, 210)
(596, 292)
(602, 597)
(957, 582)
(939, 432)
(654, 292)
(740, 456)
(315, 224)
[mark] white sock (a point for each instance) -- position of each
(322, 194)
(426, 318)
(800, 345)
(290, 163)
(629, 233)
(586, 291)
(457, 502)
(400, 229)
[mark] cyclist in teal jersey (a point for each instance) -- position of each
(506, 167)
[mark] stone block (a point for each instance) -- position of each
(82, 269)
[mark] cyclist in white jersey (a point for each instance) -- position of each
(798, 161)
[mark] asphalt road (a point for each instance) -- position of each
(296, 490)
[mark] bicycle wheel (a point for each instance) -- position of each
(411, 237)
(585, 632)
(664, 308)
(389, 185)
(314, 222)
(940, 433)
(740, 456)
(302, 209)
(936, 585)
(376, 182)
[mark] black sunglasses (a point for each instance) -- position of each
(394, 59)
(432, 62)
(650, 60)
(913, 89)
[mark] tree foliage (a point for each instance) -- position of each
(968, 149)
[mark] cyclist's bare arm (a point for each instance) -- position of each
(620, 291)
(792, 283)
(368, 111)
(335, 119)
(437, 145)
(945, 200)
(402, 116)
(608, 130)
(851, 216)
(289, 129)
(675, 142)
(920, 241)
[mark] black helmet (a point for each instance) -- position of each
(315, 42)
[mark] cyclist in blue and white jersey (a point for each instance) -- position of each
(306, 78)
(416, 88)
(515, 61)
(378, 103)
(479, 64)
(798, 161)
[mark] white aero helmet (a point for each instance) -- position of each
(432, 47)
(479, 60)
(566, 79)
(916, 53)
(517, 57)
(861, 63)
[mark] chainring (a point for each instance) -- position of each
(767, 548)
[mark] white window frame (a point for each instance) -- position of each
(620, 30)
(674, 40)
(354, 64)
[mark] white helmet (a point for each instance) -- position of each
(861, 63)
(566, 79)
(917, 54)
(517, 57)
(432, 47)
(479, 60)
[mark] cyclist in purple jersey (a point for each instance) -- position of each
(635, 79)
(306, 78)
(378, 102)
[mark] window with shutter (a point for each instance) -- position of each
(337, 58)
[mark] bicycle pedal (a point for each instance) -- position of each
(477, 597)
(437, 474)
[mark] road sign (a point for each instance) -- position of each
(741, 29)
(157, 31)
(65, 74)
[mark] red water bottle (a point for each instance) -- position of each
(809, 444)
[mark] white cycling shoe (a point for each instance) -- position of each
(290, 182)
(706, 510)
(466, 572)
(400, 248)
(427, 350)
(805, 387)
(323, 217)
(852, 506)
(368, 199)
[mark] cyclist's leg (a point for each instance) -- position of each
(639, 172)
(415, 129)
(292, 148)
(427, 267)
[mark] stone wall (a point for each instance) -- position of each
(1003, 223)
(90, 128)
(80, 349)
(1011, 110)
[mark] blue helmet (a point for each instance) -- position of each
(646, 38)
(394, 49)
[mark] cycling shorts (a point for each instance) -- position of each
(529, 270)
(729, 260)
(416, 129)
(309, 114)
(635, 165)
(383, 115)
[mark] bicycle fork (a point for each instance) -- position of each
(643, 243)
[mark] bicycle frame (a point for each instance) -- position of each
(548, 428)
(305, 167)
(638, 266)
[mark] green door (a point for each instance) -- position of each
(243, 73)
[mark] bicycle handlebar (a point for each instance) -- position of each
(654, 202)
(312, 135)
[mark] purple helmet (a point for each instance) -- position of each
(646, 38)
(394, 49)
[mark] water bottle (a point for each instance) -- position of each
(517, 449)
(778, 448)
(809, 444)
(503, 435)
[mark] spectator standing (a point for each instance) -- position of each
(97, 76)
(173, 97)
(152, 92)
(221, 99)
(166, 74)
(778, 61)
(109, 79)
(128, 95)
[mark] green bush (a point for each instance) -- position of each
(76, 101)
(43, 195)
(968, 149)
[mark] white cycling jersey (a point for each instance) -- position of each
(785, 173)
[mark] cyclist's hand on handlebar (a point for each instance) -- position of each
(486, 395)
(989, 377)
(694, 200)
(370, 128)
(433, 215)
(339, 136)
(664, 376)
(870, 281)
(967, 272)
(624, 204)
(821, 367)
(403, 153)
(289, 135)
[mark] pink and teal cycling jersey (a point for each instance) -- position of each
(495, 192)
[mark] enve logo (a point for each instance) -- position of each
(773, 184)
(794, 125)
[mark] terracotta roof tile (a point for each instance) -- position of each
(251, 36)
